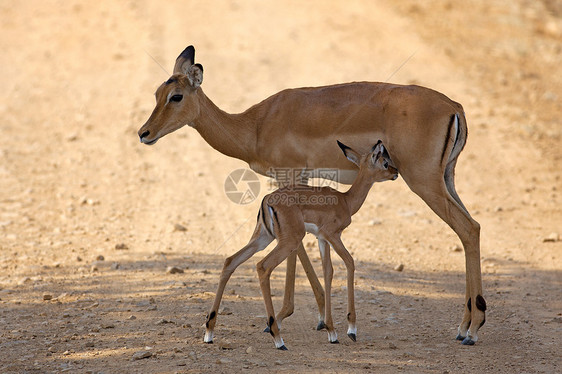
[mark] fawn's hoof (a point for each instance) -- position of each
(352, 337)
(321, 326)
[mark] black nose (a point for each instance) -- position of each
(145, 134)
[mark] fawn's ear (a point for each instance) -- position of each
(380, 152)
(195, 75)
(378, 148)
(350, 153)
(185, 60)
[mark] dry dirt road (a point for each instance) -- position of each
(89, 217)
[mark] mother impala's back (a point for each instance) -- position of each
(423, 130)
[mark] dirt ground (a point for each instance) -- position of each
(90, 219)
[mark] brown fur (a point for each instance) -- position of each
(297, 128)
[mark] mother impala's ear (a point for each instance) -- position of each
(185, 60)
(350, 153)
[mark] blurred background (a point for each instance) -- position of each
(78, 80)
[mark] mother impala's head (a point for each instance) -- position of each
(176, 99)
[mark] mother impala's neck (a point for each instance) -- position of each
(231, 134)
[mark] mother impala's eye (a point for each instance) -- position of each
(176, 98)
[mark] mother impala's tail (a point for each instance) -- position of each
(457, 133)
(456, 138)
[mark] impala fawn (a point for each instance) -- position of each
(287, 215)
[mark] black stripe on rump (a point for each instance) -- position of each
(451, 122)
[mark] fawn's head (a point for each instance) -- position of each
(176, 99)
(375, 163)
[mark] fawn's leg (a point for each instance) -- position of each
(328, 271)
(289, 296)
(265, 268)
(258, 242)
(350, 265)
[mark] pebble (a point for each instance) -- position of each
(552, 238)
(163, 321)
(115, 266)
(121, 246)
(407, 213)
(24, 280)
(399, 267)
(141, 354)
(225, 311)
(47, 296)
(375, 222)
(100, 258)
(250, 350)
(174, 270)
(178, 227)
(456, 248)
(131, 317)
(226, 346)
(94, 305)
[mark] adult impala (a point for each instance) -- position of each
(423, 130)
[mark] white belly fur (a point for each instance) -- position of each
(311, 228)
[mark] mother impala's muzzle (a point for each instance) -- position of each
(143, 138)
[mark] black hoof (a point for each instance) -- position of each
(335, 342)
(266, 329)
(283, 348)
(352, 337)
(211, 342)
(468, 341)
(321, 326)
(460, 337)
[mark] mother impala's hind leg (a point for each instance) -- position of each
(440, 195)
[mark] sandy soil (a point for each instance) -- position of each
(89, 217)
